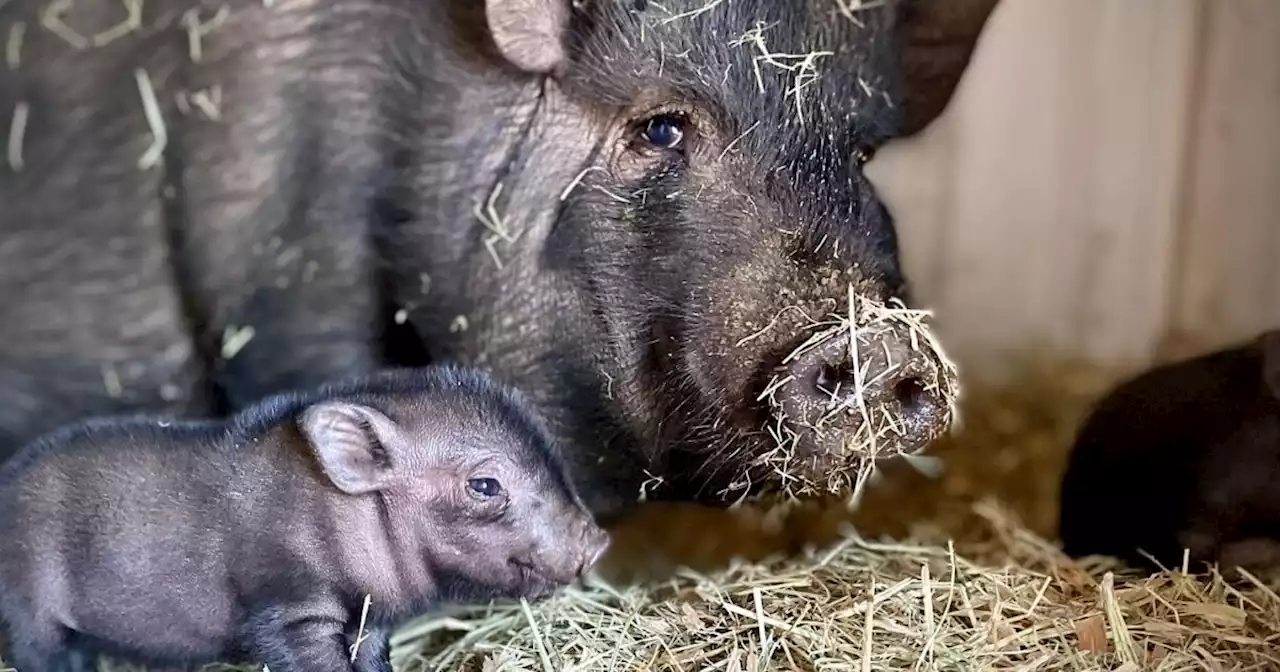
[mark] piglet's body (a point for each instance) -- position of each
(258, 539)
(1184, 456)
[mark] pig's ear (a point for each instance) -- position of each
(937, 39)
(349, 442)
(1270, 342)
(529, 33)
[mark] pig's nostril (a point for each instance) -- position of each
(912, 397)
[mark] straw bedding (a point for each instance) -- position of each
(975, 583)
(932, 609)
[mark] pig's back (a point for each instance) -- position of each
(1142, 448)
(116, 531)
(1239, 487)
(1169, 415)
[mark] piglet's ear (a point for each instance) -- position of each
(1270, 342)
(529, 33)
(349, 442)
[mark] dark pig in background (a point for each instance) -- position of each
(635, 211)
(258, 539)
(1183, 456)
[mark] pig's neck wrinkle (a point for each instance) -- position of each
(401, 577)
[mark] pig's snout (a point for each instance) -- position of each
(888, 376)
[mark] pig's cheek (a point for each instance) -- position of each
(629, 167)
(702, 370)
(732, 341)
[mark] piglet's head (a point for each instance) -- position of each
(472, 487)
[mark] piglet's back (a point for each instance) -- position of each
(1145, 448)
(117, 500)
(100, 473)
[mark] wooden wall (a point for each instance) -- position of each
(1107, 177)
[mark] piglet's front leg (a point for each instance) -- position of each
(299, 638)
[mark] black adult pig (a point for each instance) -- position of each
(632, 210)
(1186, 455)
(257, 539)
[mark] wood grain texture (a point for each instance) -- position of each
(1042, 207)
(1228, 282)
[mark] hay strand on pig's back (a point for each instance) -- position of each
(932, 609)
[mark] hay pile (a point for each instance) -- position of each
(932, 609)
(976, 586)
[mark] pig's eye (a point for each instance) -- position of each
(484, 487)
(664, 131)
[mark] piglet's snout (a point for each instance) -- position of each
(594, 547)
(574, 554)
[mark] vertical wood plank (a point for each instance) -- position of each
(1041, 208)
(1229, 250)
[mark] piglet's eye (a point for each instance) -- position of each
(485, 487)
(664, 131)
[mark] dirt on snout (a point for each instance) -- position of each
(872, 429)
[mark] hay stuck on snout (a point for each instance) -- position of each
(879, 428)
(862, 606)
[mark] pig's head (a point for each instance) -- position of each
(721, 232)
(469, 482)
